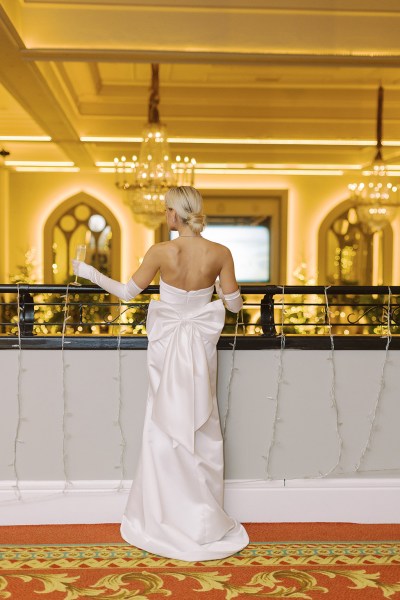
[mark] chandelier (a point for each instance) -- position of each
(146, 178)
(376, 197)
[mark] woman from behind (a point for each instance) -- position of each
(175, 505)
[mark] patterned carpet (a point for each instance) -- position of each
(283, 560)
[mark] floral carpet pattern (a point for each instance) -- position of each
(117, 571)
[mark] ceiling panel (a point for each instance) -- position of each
(210, 98)
(14, 120)
(35, 151)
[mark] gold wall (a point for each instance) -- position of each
(33, 196)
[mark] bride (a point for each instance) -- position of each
(175, 505)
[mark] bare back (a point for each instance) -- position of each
(191, 263)
(188, 263)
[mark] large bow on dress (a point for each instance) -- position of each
(183, 401)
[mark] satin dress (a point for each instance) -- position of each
(175, 505)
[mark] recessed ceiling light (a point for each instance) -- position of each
(38, 163)
(108, 140)
(25, 138)
(48, 169)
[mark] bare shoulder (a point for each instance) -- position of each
(160, 247)
(154, 253)
(222, 250)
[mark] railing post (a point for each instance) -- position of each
(267, 316)
(27, 311)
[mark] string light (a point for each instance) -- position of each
(332, 390)
(121, 465)
(273, 441)
(381, 385)
(64, 393)
(17, 440)
(230, 376)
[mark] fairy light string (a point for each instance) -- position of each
(17, 439)
(232, 370)
(276, 418)
(65, 435)
(120, 405)
(276, 398)
(332, 390)
(273, 442)
(372, 426)
(66, 413)
(118, 422)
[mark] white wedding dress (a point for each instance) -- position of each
(175, 505)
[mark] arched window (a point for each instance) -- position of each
(350, 255)
(81, 219)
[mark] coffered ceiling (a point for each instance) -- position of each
(271, 83)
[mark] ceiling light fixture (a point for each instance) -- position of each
(377, 199)
(147, 178)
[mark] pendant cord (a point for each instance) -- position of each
(154, 100)
(379, 125)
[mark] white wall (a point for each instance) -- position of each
(306, 434)
(307, 443)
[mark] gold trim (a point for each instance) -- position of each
(122, 555)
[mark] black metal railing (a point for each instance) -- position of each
(47, 310)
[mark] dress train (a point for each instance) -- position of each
(175, 505)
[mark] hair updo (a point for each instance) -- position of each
(188, 203)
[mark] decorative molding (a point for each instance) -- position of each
(341, 7)
(95, 74)
(187, 56)
(298, 500)
(9, 30)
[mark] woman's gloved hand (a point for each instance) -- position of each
(82, 269)
(125, 291)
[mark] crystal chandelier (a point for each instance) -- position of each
(376, 197)
(146, 178)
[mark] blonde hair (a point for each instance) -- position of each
(188, 203)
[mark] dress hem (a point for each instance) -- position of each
(208, 551)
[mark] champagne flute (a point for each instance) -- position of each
(80, 254)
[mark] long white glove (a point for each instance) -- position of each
(232, 301)
(125, 291)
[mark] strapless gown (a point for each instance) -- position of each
(175, 505)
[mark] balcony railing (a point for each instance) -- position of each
(299, 313)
